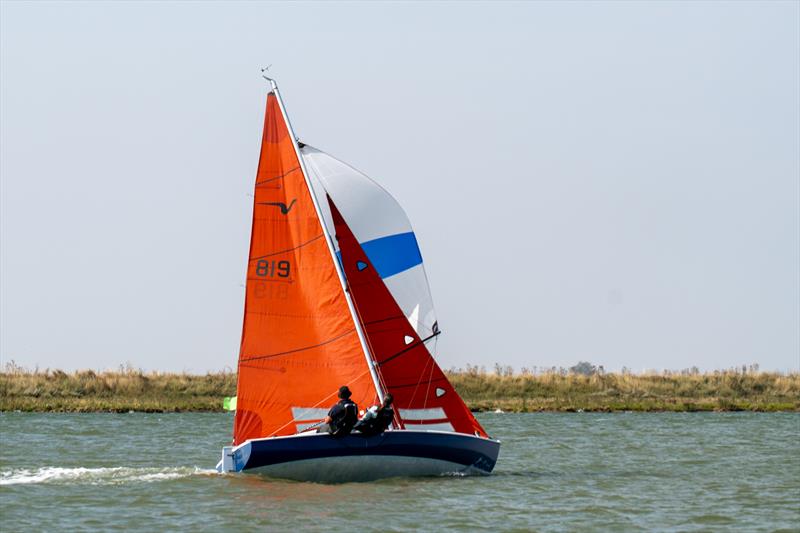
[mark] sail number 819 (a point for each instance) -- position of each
(271, 269)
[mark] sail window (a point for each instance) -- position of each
(440, 392)
(432, 413)
(408, 339)
(361, 265)
(441, 426)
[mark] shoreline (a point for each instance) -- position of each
(125, 408)
(130, 390)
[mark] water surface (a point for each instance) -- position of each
(572, 471)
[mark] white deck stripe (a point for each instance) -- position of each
(443, 426)
(309, 413)
(436, 413)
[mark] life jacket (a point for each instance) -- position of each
(344, 416)
(379, 422)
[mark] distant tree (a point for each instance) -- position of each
(583, 368)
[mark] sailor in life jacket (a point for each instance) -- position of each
(377, 419)
(342, 416)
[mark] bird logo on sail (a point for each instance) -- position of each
(284, 208)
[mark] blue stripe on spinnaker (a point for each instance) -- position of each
(392, 254)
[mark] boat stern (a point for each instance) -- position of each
(234, 458)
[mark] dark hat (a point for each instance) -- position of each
(344, 392)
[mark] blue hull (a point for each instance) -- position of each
(321, 457)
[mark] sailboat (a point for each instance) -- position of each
(337, 294)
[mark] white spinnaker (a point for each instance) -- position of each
(382, 228)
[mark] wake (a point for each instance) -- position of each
(97, 476)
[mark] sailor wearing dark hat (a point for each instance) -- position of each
(342, 416)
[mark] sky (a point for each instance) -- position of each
(616, 183)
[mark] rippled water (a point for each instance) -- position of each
(682, 472)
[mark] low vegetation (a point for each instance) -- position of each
(120, 391)
(581, 388)
(568, 390)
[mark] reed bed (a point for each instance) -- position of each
(554, 390)
(115, 391)
(559, 391)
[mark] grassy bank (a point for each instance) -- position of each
(718, 391)
(127, 390)
(134, 390)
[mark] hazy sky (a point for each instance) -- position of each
(612, 182)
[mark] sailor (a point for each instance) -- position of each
(342, 416)
(377, 419)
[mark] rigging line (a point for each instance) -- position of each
(258, 357)
(395, 317)
(407, 348)
(396, 421)
(288, 249)
(326, 398)
(428, 389)
(277, 177)
(416, 388)
(372, 364)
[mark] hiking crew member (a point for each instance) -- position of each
(342, 416)
(376, 421)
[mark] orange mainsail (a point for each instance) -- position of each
(299, 340)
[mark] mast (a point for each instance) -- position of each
(329, 240)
